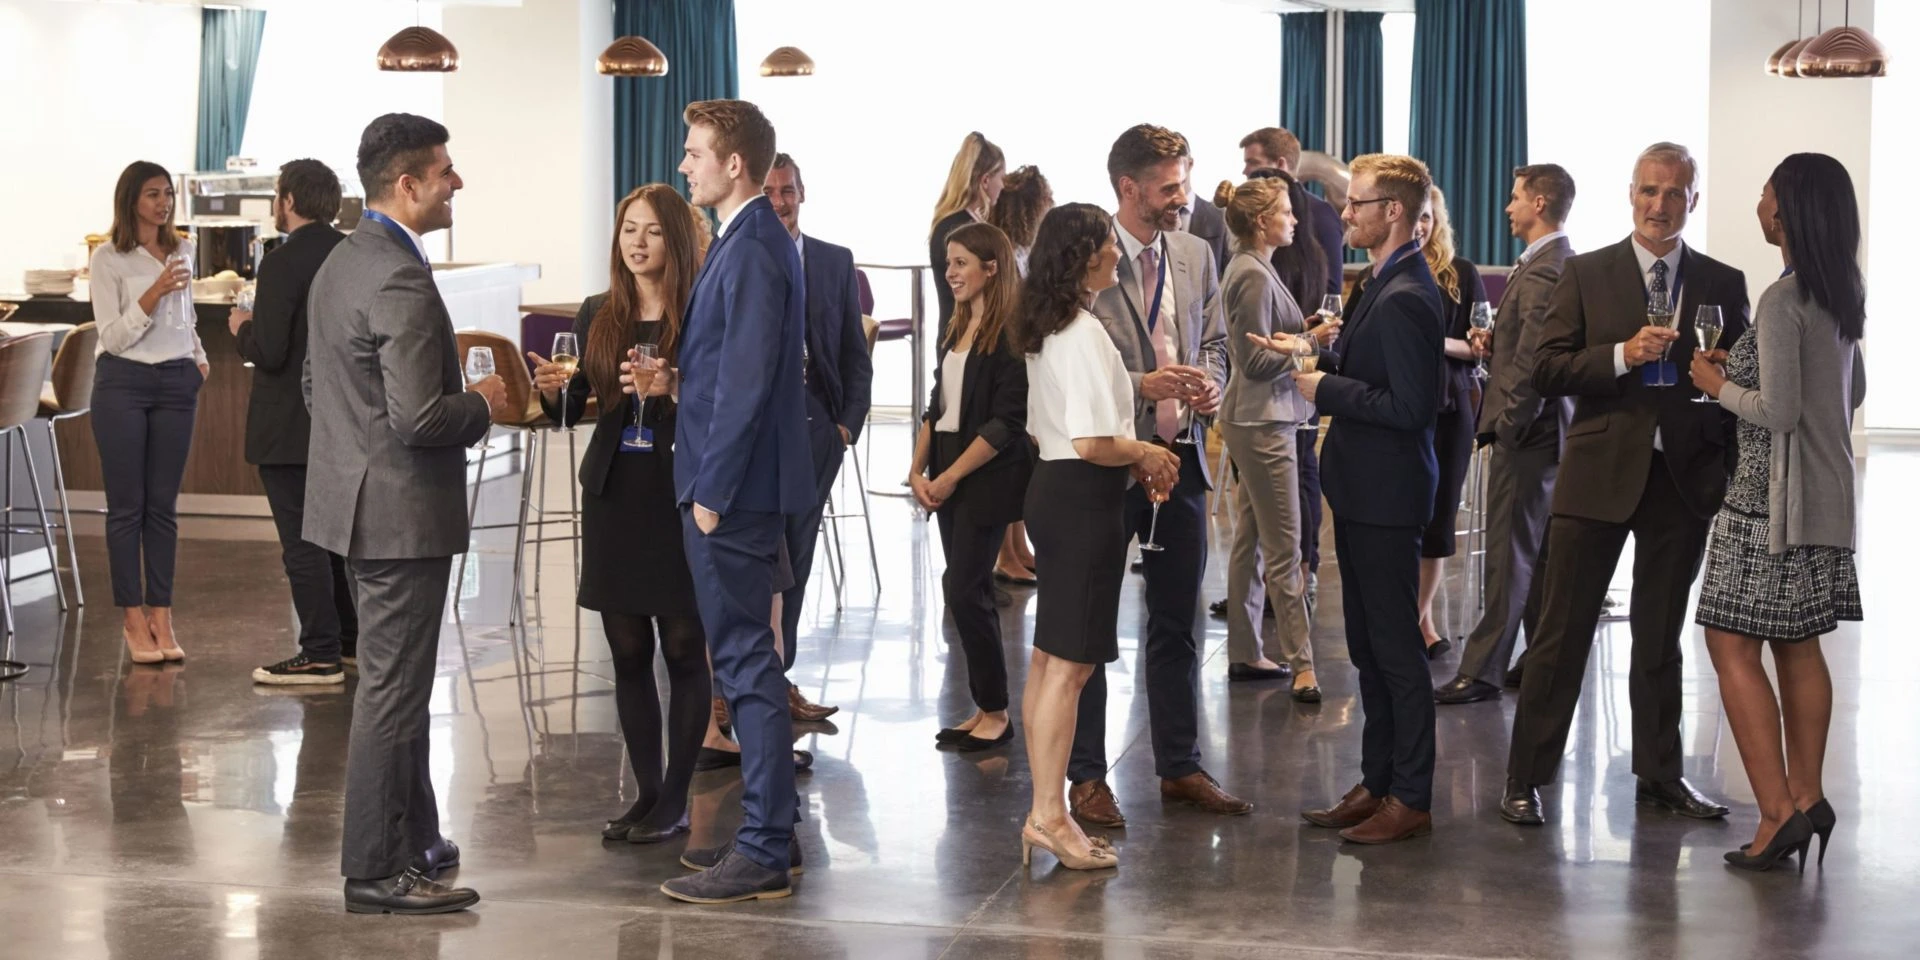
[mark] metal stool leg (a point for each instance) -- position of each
(515, 606)
(573, 505)
(473, 508)
(866, 517)
(540, 502)
(66, 514)
(46, 524)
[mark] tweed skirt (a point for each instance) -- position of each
(1804, 592)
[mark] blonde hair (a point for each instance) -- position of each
(977, 158)
(1401, 177)
(1439, 247)
(1244, 205)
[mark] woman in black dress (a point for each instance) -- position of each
(1460, 289)
(971, 463)
(974, 182)
(1024, 201)
(633, 568)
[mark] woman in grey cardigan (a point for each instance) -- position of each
(1261, 416)
(1780, 571)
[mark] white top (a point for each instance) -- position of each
(117, 281)
(1077, 386)
(953, 375)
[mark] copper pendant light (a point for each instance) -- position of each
(1844, 52)
(418, 49)
(1773, 62)
(633, 57)
(787, 62)
(1777, 64)
(1805, 66)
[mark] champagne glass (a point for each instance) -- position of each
(1158, 497)
(1707, 327)
(1481, 319)
(479, 364)
(645, 355)
(566, 355)
(1306, 354)
(1186, 438)
(1660, 314)
(1330, 306)
(244, 297)
(180, 312)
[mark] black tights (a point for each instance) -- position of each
(663, 798)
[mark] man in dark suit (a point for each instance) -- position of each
(1380, 477)
(742, 464)
(839, 381)
(1204, 220)
(1640, 458)
(273, 339)
(1524, 429)
(1277, 148)
(385, 481)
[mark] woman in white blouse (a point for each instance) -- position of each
(147, 381)
(1080, 408)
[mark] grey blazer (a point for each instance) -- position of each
(1811, 381)
(386, 466)
(1200, 329)
(1261, 389)
(1512, 409)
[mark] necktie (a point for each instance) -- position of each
(1658, 290)
(1166, 413)
(1149, 280)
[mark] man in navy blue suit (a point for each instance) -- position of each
(1380, 475)
(839, 380)
(741, 464)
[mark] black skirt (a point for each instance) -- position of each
(1076, 517)
(1453, 451)
(633, 556)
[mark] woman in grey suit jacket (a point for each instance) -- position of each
(1780, 571)
(1260, 417)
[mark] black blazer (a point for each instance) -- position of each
(993, 407)
(1456, 389)
(937, 256)
(275, 342)
(604, 445)
(841, 372)
(1210, 224)
(1599, 302)
(1377, 464)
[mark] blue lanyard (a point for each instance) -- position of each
(399, 232)
(1159, 287)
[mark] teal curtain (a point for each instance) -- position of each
(702, 64)
(229, 52)
(1362, 93)
(1470, 113)
(1303, 77)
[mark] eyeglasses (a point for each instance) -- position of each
(1362, 203)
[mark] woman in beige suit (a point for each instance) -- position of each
(1260, 417)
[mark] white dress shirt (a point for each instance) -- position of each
(1077, 387)
(126, 331)
(1647, 260)
(1538, 245)
(953, 376)
(1162, 328)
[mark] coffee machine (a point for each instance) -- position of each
(230, 217)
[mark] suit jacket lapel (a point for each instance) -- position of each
(1181, 289)
(1628, 290)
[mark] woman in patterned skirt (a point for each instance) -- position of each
(1780, 571)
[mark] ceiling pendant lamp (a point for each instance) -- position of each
(787, 62)
(1776, 62)
(632, 57)
(418, 49)
(1844, 52)
(1805, 66)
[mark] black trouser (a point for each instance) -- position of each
(1312, 508)
(1668, 542)
(322, 597)
(143, 427)
(662, 799)
(803, 529)
(971, 550)
(1170, 659)
(1380, 593)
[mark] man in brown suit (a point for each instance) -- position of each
(1640, 459)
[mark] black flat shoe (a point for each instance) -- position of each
(1512, 680)
(1218, 609)
(1247, 671)
(1439, 648)
(1521, 805)
(1679, 797)
(973, 744)
(802, 761)
(1017, 581)
(711, 759)
(406, 893)
(1305, 694)
(1465, 690)
(1792, 837)
(642, 833)
(951, 735)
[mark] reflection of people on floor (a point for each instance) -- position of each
(144, 769)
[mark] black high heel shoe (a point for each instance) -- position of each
(1793, 836)
(1822, 817)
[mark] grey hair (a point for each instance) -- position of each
(1666, 152)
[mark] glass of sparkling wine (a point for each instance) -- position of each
(479, 367)
(1330, 306)
(1707, 326)
(645, 356)
(1481, 319)
(566, 356)
(1660, 314)
(1158, 496)
(1306, 355)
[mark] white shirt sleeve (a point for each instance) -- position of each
(1620, 367)
(1094, 387)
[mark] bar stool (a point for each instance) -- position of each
(24, 364)
(68, 395)
(830, 521)
(537, 333)
(524, 415)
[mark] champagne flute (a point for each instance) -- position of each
(1306, 354)
(1330, 306)
(1185, 438)
(1157, 497)
(1707, 327)
(1481, 319)
(1660, 314)
(479, 364)
(566, 355)
(644, 357)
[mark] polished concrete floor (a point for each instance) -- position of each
(182, 812)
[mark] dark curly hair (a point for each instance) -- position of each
(1055, 288)
(1024, 199)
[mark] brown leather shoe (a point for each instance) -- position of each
(1352, 810)
(804, 710)
(1393, 822)
(1203, 791)
(1092, 802)
(720, 716)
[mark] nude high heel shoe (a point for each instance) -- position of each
(138, 655)
(1102, 856)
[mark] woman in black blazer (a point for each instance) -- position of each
(633, 567)
(971, 463)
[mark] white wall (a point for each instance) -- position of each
(87, 88)
(1594, 101)
(1893, 394)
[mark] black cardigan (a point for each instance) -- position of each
(993, 407)
(604, 445)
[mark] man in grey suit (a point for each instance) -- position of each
(385, 489)
(1525, 431)
(1165, 317)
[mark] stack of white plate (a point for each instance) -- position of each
(49, 283)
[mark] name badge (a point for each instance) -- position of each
(635, 439)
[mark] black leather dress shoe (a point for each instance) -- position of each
(711, 759)
(705, 859)
(802, 761)
(407, 893)
(1521, 804)
(1512, 679)
(1465, 690)
(1247, 671)
(643, 833)
(733, 880)
(443, 855)
(1679, 797)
